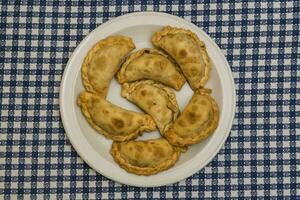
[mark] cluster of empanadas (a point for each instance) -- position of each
(147, 77)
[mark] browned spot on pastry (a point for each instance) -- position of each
(182, 53)
(139, 148)
(140, 121)
(106, 112)
(203, 102)
(94, 101)
(143, 92)
(128, 117)
(117, 122)
(192, 114)
(147, 62)
(130, 148)
(192, 117)
(181, 122)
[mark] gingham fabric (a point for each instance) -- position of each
(260, 159)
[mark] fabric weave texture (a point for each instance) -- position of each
(260, 158)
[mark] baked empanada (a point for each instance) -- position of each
(155, 99)
(188, 51)
(151, 64)
(145, 157)
(102, 62)
(112, 121)
(198, 120)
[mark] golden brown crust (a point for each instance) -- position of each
(129, 167)
(129, 89)
(121, 75)
(102, 44)
(174, 30)
(176, 140)
(148, 123)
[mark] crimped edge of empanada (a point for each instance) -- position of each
(129, 88)
(98, 46)
(174, 139)
(122, 79)
(82, 101)
(173, 30)
(146, 171)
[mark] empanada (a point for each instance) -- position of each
(188, 51)
(145, 157)
(102, 62)
(112, 121)
(155, 99)
(151, 64)
(198, 120)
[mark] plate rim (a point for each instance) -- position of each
(63, 87)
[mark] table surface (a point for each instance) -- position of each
(259, 159)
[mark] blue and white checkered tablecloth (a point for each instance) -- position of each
(261, 158)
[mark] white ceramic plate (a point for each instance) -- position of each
(94, 148)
